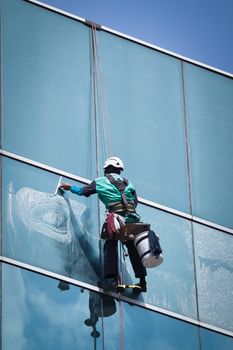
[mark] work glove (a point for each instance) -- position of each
(65, 187)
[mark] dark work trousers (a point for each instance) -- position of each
(111, 259)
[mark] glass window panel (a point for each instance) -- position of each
(171, 285)
(54, 232)
(215, 341)
(47, 73)
(145, 107)
(214, 268)
(209, 101)
(41, 316)
(0, 203)
(145, 329)
(47, 57)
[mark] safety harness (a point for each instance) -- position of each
(124, 206)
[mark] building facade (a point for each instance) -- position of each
(73, 93)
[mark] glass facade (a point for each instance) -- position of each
(172, 284)
(209, 102)
(50, 85)
(40, 315)
(214, 270)
(48, 230)
(70, 95)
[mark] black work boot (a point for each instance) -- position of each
(142, 284)
(110, 283)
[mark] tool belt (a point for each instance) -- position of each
(125, 232)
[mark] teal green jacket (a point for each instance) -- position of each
(107, 192)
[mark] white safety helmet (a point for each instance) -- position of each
(114, 161)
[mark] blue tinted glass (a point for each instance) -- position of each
(42, 316)
(55, 232)
(171, 285)
(144, 100)
(209, 101)
(149, 330)
(1, 202)
(215, 341)
(214, 267)
(46, 72)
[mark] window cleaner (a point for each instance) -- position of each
(123, 222)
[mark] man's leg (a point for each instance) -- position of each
(110, 259)
(139, 269)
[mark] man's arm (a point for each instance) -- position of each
(86, 191)
(134, 193)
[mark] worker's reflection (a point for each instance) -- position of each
(100, 306)
(56, 233)
(49, 231)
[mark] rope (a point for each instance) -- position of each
(101, 132)
(121, 325)
(187, 146)
(95, 102)
(102, 125)
(100, 93)
(125, 254)
(120, 273)
(102, 321)
(100, 96)
(104, 113)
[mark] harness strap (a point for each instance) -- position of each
(119, 207)
(120, 185)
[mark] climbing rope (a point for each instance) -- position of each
(102, 133)
(121, 307)
(121, 325)
(95, 99)
(100, 100)
(95, 113)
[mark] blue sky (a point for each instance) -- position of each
(198, 29)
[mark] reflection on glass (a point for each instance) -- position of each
(214, 266)
(171, 285)
(42, 212)
(49, 230)
(149, 87)
(55, 220)
(209, 103)
(99, 306)
(54, 80)
(58, 71)
(40, 316)
(215, 341)
(144, 329)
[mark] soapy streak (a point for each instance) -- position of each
(44, 213)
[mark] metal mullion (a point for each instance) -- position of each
(139, 303)
(131, 38)
(140, 200)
